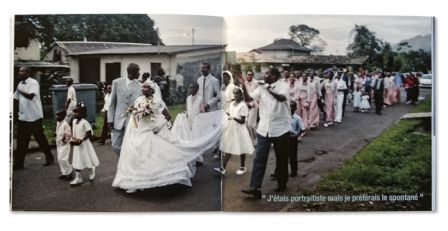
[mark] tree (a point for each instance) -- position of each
(415, 61)
(364, 44)
(387, 57)
(307, 36)
(138, 28)
(403, 46)
(25, 29)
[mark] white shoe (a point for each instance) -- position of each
(220, 170)
(77, 180)
(241, 171)
(326, 125)
(92, 173)
(131, 190)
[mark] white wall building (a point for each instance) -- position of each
(92, 62)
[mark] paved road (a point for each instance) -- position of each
(321, 151)
(38, 188)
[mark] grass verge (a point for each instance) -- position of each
(398, 161)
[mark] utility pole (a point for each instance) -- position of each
(192, 37)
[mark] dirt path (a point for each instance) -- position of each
(321, 151)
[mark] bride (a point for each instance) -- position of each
(152, 155)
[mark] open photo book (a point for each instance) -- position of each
(256, 113)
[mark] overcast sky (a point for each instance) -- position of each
(245, 33)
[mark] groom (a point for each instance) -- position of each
(124, 92)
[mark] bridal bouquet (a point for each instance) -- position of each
(143, 110)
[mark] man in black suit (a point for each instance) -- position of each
(378, 90)
(348, 82)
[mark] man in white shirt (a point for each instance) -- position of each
(30, 119)
(209, 88)
(71, 100)
(273, 127)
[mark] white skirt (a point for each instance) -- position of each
(236, 139)
(84, 156)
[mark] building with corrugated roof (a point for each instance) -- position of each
(92, 62)
(288, 53)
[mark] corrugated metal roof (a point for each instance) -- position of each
(284, 44)
(253, 57)
(98, 48)
(38, 64)
(72, 47)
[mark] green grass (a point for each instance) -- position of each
(50, 123)
(398, 161)
(50, 127)
(176, 109)
(423, 106)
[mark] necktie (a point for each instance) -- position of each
(203, 90)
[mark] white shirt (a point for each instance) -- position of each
(71, 95)
(63, 132)
(341, 85)
(209, 90)
(194, 107)
(275, 116)
(29, 109)
(106, 102)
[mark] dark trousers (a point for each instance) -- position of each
(344, 102)
(379, 100)
(293, 142)
(105, 129)
(408, 94)
(414, 94)
(281, 147)
(24, 132)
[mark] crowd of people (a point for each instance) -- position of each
(238, 115)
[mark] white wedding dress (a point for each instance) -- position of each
(149, 159)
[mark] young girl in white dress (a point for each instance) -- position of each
(236, 138)
(364, 106)
(84, 155)
(357, 98)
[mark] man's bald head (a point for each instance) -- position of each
(133, 71)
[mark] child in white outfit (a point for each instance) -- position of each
(357, 99)
(365, 106)
(84, 155)
(236, 138)
(63, 135)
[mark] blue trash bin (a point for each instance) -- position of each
(85, 93)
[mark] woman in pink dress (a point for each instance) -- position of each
(391, 90)
(330, 93)
(303, 91)
(315, 95)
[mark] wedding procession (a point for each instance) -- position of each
(154, 127)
